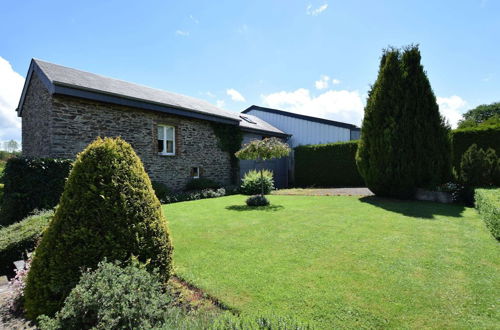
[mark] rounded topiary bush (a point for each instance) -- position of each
(257, 200)
(108, 210)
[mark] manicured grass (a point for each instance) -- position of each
(342, 261)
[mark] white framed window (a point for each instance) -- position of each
(166, 140)
(195, 172)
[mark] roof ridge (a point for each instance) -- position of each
(232, 114)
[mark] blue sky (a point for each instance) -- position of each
(312, 57)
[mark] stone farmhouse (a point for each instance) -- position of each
(64, 109)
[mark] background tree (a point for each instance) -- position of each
(12, 145)
(404, 142)
(485, 114)
(108, 210)
(262, 150)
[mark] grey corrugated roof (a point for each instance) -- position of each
(61, 75)
(260, 124)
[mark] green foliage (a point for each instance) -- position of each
(1, 193)
(114, 296)
(229, 138)
(485, 114)
(257, 182)
(264, 149)
(202, 183)
(404, 140)
(162, 192)
(484, 137)
(257, 200)
(261, 322)
(488, 205)
(32, 184)
(108, 210)
(21, 237)
(327, 165)
(479, 168)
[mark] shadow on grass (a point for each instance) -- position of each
(268, 208)
(416, 209)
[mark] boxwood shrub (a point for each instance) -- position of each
(21, 237)
(31, 184)
(202, 183)
(484, 137)
(488, 205)
(327, 165)
(108, 210)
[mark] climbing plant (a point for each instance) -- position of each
(229, 139)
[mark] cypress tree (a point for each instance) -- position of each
(427, 130)
(108, 210)
(404, 140)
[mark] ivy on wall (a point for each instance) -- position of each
(229, 139)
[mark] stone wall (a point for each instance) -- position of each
(75, 122)
(36, 128)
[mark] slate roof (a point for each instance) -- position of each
(252, 122)
(68, 81)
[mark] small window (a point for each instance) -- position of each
(195, 172)
(166, 140)
(247, 119)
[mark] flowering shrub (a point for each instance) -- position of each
(257, 182)
(18, 283)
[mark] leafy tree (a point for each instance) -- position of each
(485, 114)
(478, 167)
(262, 150)
(108, 210)
(404, 143)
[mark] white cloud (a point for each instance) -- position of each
(335, 81)
(182, 33)
(315, 12)
(242, 29)
(220, 103)
(235, 95)
(209, 94)
(452, 108)
(11, 86)
(322, 83)
(341, 105)
(194, 19)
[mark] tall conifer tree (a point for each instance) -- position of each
(404, 143)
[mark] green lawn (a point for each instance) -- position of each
(342, 261)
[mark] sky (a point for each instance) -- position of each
(317, 58)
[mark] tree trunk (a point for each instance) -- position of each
(262, 182)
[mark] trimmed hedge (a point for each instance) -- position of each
(108, 210)
(19, 238)
(31, 184)
(327, 165)
(488, 205)
(483, 137)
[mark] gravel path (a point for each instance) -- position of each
(7, 320)
(348, 191)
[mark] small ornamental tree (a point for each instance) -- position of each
(108, 210)
(262, 150)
